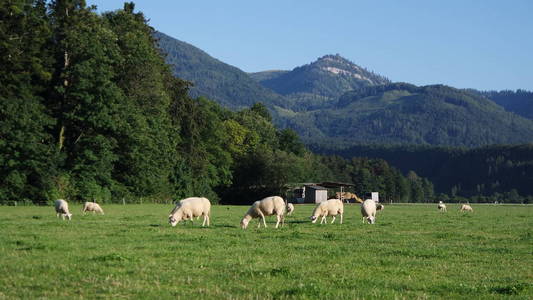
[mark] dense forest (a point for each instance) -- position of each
(520, 101)
(225, 84)
(401, 113)
(500, 173)
(89, 110)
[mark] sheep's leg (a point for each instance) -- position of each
(263, 218)
(332, 219)
(205, 220)
(323, 220)
(341, 218)
(277, 220)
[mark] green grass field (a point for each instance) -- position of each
(413, 251)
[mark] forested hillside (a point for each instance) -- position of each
(520, 101)
(316, 85)
(225, 84)
(90, 111)
(493, 173)
(266, 75)
(329, 76)
(406, 114)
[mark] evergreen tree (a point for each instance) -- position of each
(27, 157)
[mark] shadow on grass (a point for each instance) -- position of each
(296, 222)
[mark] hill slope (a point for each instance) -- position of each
(520, 101)
(334, 100)
(212, 78)
(266, 75)
(405, 114)
(329, 76)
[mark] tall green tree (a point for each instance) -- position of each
(147, 147)
(27, 157)
(86, 100)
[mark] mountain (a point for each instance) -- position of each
(266, 75)
(402, 113)
(333, 100)
(520, 101)
(212, 78)
(328, 77)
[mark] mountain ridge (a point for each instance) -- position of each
(333, 100)
(226, 84)
(338, 73)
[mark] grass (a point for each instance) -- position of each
(131, 252)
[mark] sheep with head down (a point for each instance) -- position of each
(189, 208)
(290, 209)
(92, 206)
(268, 206)
(368, 211)
(466, 207)
(331, 207)
(61, 207)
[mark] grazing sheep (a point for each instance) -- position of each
(290, 209)
(61, 207)
(466, 207)
(380, 207)
(92, 206)
(346, 196)
(441, 206)
(189, 208)
(266, 207)
(368, 210)
(331, 207)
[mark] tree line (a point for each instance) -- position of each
(496, 173)
(90, 111)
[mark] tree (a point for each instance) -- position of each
(86, 100)
(147, 147)
(27, 156)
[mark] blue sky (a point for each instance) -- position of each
(481, 44)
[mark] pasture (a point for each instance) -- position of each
(413, 251)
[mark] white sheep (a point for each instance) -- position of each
(290, 209)
(61, 207)
(268, 206)
(189, 208)
(466, 207)
(368, 210)
(92, 206)
(331, 207)
(441, 206)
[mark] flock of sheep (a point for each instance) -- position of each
(196, 207)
